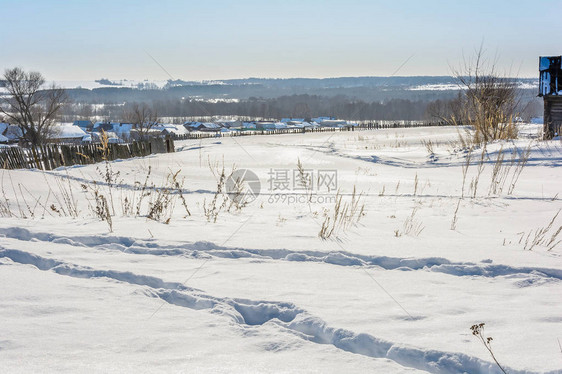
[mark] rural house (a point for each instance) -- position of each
(198, 126)
(84, 125)
(68, 133)
(550, 89)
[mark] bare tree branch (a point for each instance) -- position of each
(487, 101)
(34, 110)
(141, 116)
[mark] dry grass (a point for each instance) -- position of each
(59, 202)
(106, 194)
(213, 208)
(101, 208)
(343, 215)
(479, 170)
(465, 167)
(304, 180)
(503, 169)
(224, 201)
(430, 147)
(412, 225)
(456, 216)
(544, 236)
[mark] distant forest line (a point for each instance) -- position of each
(295, 106)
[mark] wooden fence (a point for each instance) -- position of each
(51, 156)
(366, 125)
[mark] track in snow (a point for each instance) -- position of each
(338, 258)
(255, 313)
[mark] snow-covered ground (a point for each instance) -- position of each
(258, 290)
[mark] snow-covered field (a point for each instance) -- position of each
(396, 290)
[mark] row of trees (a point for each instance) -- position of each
(296, 106)
(307, 106)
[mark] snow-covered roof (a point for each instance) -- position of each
(103, 126)
(333, 122)
(285, 120)
(13, 132)
(248, 125)
(83, 123)
(174, 129)
(68, 131)
(165, 125)
(321, 119)
(207, 125)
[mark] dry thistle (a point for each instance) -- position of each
(478, 331)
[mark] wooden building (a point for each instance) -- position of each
(550, 89)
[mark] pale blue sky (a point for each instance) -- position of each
(82, 39)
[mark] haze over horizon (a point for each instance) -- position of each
(215, 40)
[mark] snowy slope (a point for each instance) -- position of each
(259, 291)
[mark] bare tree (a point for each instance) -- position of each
(29, 106)
(142, 117)
(85, 111)
(487, 101)
(442, 110)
